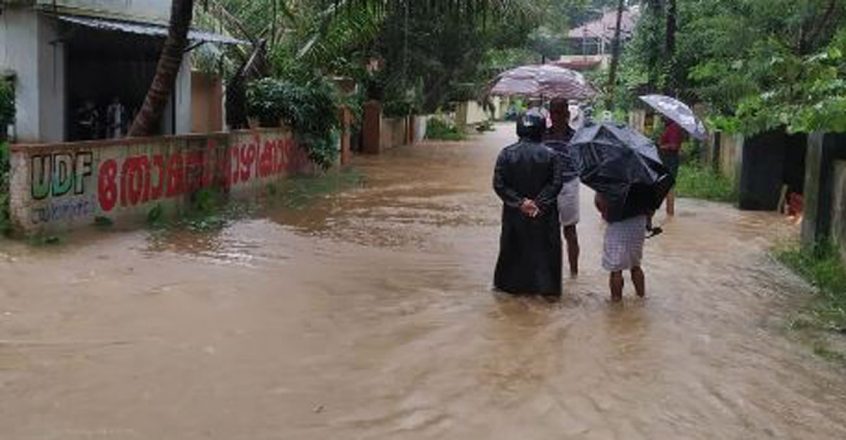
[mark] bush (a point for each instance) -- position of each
(440, 129)
(310, 110)
(700, 182)
(397, 108)
(7, 106)
(268, 100)
(400, 100)
(821, 266)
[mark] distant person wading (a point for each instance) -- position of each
(669, 147)
(558, 138)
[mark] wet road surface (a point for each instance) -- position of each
(368, 314)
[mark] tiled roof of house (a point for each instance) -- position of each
(604, 27)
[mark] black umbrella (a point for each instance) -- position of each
(624, 166)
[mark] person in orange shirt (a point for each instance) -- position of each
(669, 148)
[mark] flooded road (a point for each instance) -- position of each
(368, 314)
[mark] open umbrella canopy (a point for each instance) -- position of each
(624, 166)
(543, 80)
(678, 112)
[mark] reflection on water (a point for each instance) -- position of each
(367, 313)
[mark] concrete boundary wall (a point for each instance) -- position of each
(382, 134)
(838, 207)
(57, 187)
(394, 133)
(823, 150)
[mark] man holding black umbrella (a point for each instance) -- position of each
(528, 179)
(631, 182)
(623, 250)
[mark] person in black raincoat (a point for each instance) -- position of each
(528, 179)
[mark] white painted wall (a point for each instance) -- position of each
(183, 101)
(137, 10)
(19, 40)
(38, 65)
(476, 113)
(29, 47)
(51, 78)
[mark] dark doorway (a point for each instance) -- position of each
(104, 67)
(771, 160)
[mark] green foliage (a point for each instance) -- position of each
(206, 201)
(822, 267)
(398, 102)
(299, 191)
(808, 93)
(310, 109)
(547, 43)
(700, 182)
(7, 106)
(155, 215)
(438, 128)
(758, 64)
(104, 222)
(355, 103)
(268, 99)
(444, 57)
(322, 148)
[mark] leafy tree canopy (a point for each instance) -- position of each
(758, 64)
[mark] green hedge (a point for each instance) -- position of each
(7, 106)
(310, 110)
(700, 182)
(440, 129)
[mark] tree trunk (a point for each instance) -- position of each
(148, 119)
(615, 54)
(655, 51)
(670, 46)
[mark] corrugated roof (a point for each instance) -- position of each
(145, 29)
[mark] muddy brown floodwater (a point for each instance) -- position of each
(368, 314)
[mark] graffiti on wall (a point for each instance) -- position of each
(69, 186)
(142, 179)
(56, 175)
(64, 210)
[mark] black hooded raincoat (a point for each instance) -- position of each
(530, 248)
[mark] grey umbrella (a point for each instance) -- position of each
(543, 80)
(678, 112)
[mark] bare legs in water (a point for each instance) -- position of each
(572, 239)
(616, 283)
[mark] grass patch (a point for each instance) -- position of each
(211, 211)
(699, 182)
(40, 240)
(297, 192)
(821, 266)
(825, 316)
(442, 130)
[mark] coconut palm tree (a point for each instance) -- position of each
(323, 44)
(145, 124)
